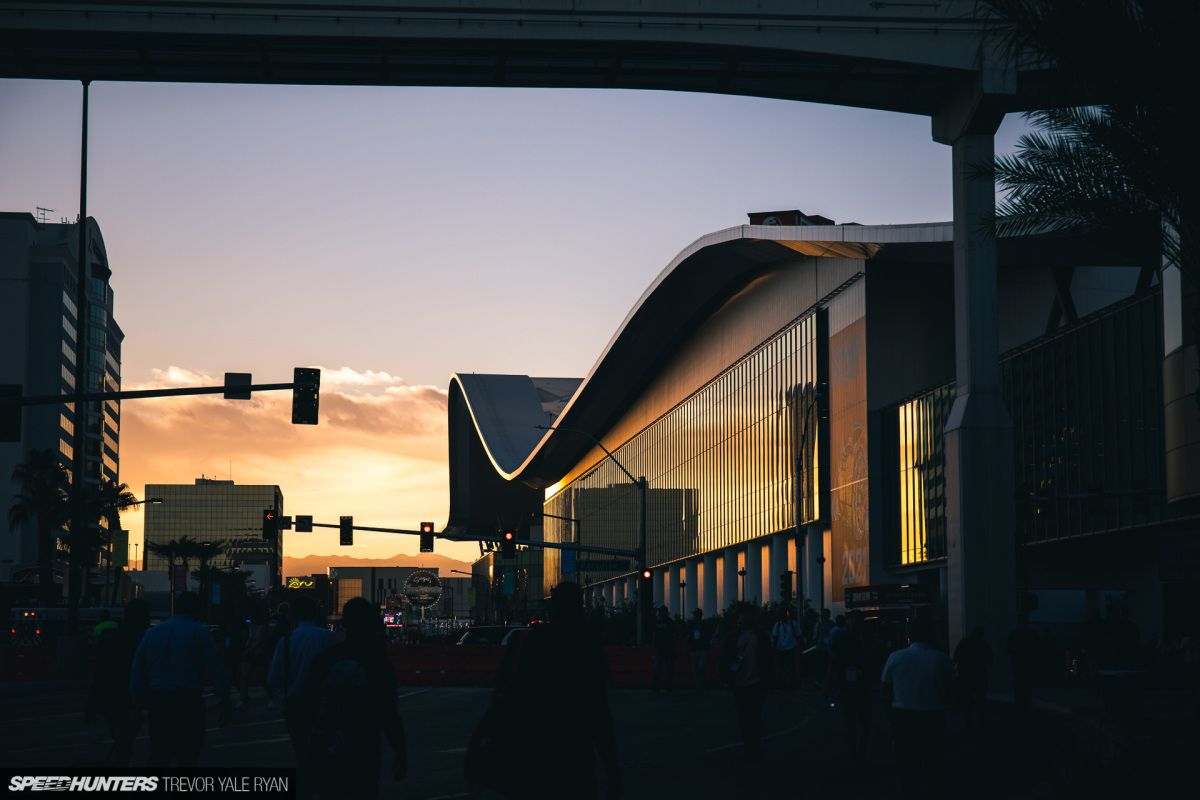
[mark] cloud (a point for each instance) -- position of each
(379, 451)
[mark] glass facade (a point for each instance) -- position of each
(217, 512)
(734, 461)
(1086, 405)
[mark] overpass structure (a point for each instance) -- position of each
(938, 59)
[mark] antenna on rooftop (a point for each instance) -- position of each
(41, 214)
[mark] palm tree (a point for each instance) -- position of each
(106, 502)
(43, 494)
(1129, 155)
(168, 550)
(205, 573)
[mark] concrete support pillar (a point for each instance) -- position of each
(980, 569)
(730, 580)
(629, 595)
(712, 601)
(754, 572)
(660, 578)
(610, 595)
(691, 575)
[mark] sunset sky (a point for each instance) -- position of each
(393, 236)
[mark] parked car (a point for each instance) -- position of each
(490, 634)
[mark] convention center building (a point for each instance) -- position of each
(784, 388)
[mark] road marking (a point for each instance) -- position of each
(454, 750)
(418, 691)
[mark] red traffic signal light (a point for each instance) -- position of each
(508, 545)
(426, 537)
(270, 527)
(646, 574)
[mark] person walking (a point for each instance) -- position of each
(698, 650)
(348, 699)
(746, 663)
(109, 695)
(664, 650)
(786, 638)
(972, 658)
(293, 655)
(914, 688)
(850, 675)
(167, 680)
(552, 667)
(1023, 647)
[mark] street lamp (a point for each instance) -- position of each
(682, 603)
(742, 574)
(640, 483)
(154, 501)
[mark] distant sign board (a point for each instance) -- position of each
(300, 583)
(568, 562)
(888, 594)
(422, 588)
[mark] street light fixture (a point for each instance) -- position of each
(742, 574)
(641, 485)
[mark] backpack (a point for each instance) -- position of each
(335, 733)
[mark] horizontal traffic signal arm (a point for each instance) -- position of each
(53, 399)
(498, 537)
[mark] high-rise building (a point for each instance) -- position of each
(41, 342)
(215, 512)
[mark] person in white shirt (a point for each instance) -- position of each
(915, 687)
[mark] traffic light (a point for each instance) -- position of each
(346, 524)
(785, 586)
(426, 537)
(270, 529)
(508, 545)
(645, 588)
(306, 400)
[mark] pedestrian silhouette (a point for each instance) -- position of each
(786, 638)
(1024, 648)
(664, 650)
(109, 694)
(167, 680)
(293, 656)
(698, 650)
(850, 676)
(915, 687)
(349, 698)
(972, 658)
(549, 715)
(746, 666)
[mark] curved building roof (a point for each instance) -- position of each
(500, 415)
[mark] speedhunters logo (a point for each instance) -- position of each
(90, 783)
(242, 783)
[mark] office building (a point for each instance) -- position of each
(786, 388)
(39, 270)
(218, 513)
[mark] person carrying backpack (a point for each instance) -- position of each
(349, 699)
